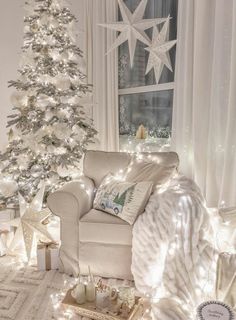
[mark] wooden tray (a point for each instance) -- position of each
(89, 309)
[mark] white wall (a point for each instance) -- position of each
(11, 40)
(11, 35)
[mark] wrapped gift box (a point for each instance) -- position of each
(5, 216)
(47, 256)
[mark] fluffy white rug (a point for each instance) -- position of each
(29, 294)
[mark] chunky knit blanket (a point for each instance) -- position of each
(174, 262)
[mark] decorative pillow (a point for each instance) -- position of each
(125, 200)
(145, 170)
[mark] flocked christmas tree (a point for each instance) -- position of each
(49, 129)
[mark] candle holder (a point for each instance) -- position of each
(79, 292)
(127, 296)
(90, 310)
(102, 295)
(102, 299)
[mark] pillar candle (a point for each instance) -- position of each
(90, 291)
(90, 288)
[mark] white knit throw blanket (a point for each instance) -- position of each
(173, 261)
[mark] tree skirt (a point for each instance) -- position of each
(27, 294)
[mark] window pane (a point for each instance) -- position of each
(135, 77)
(152, 109)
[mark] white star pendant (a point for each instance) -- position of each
(159, 51)
(29, 222)
(132, 27)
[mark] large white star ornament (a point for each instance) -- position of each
(29, 222)
(132, 27)
(159, 50)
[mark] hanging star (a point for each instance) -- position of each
(29, 222)
(132, 27)
(159, 51)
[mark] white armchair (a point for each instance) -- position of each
(89, 236)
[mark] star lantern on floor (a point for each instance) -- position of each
(132, 28)
(159, 50)
(30, 222)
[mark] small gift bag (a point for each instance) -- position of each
(5, 216)
(5, 239)
(47, 256)
(3, 242)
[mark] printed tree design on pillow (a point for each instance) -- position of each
(125, 197)
(50, 129)
(120, 199)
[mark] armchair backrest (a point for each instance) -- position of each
(97, 164)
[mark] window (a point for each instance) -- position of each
(141, 100)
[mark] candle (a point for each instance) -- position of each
(90, 292)
(79, 293)
(90, 288)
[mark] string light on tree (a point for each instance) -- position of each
(49, 126)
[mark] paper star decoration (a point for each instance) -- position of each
(29, 222)
(159, 50)
(132, 27)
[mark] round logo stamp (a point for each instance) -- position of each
(215, 310)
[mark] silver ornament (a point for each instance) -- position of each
(36, 170)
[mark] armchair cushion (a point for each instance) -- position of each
(97, 164)
(99, 227)
(149, 170)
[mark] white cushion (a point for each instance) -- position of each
(125, 200)
(97, 226)
(147, 169)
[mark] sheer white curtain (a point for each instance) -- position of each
(204, 119)
(102, 70)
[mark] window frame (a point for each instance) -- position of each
(167, 86)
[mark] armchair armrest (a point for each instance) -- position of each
(73, 200)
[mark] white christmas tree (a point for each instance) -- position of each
(49, 127)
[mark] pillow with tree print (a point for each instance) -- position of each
(125, 200)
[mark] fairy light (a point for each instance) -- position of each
(178, 226)
(174, 220)
(68, 313)
(204, 283)
(201, 271)
(45, 33)
(172, 249)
